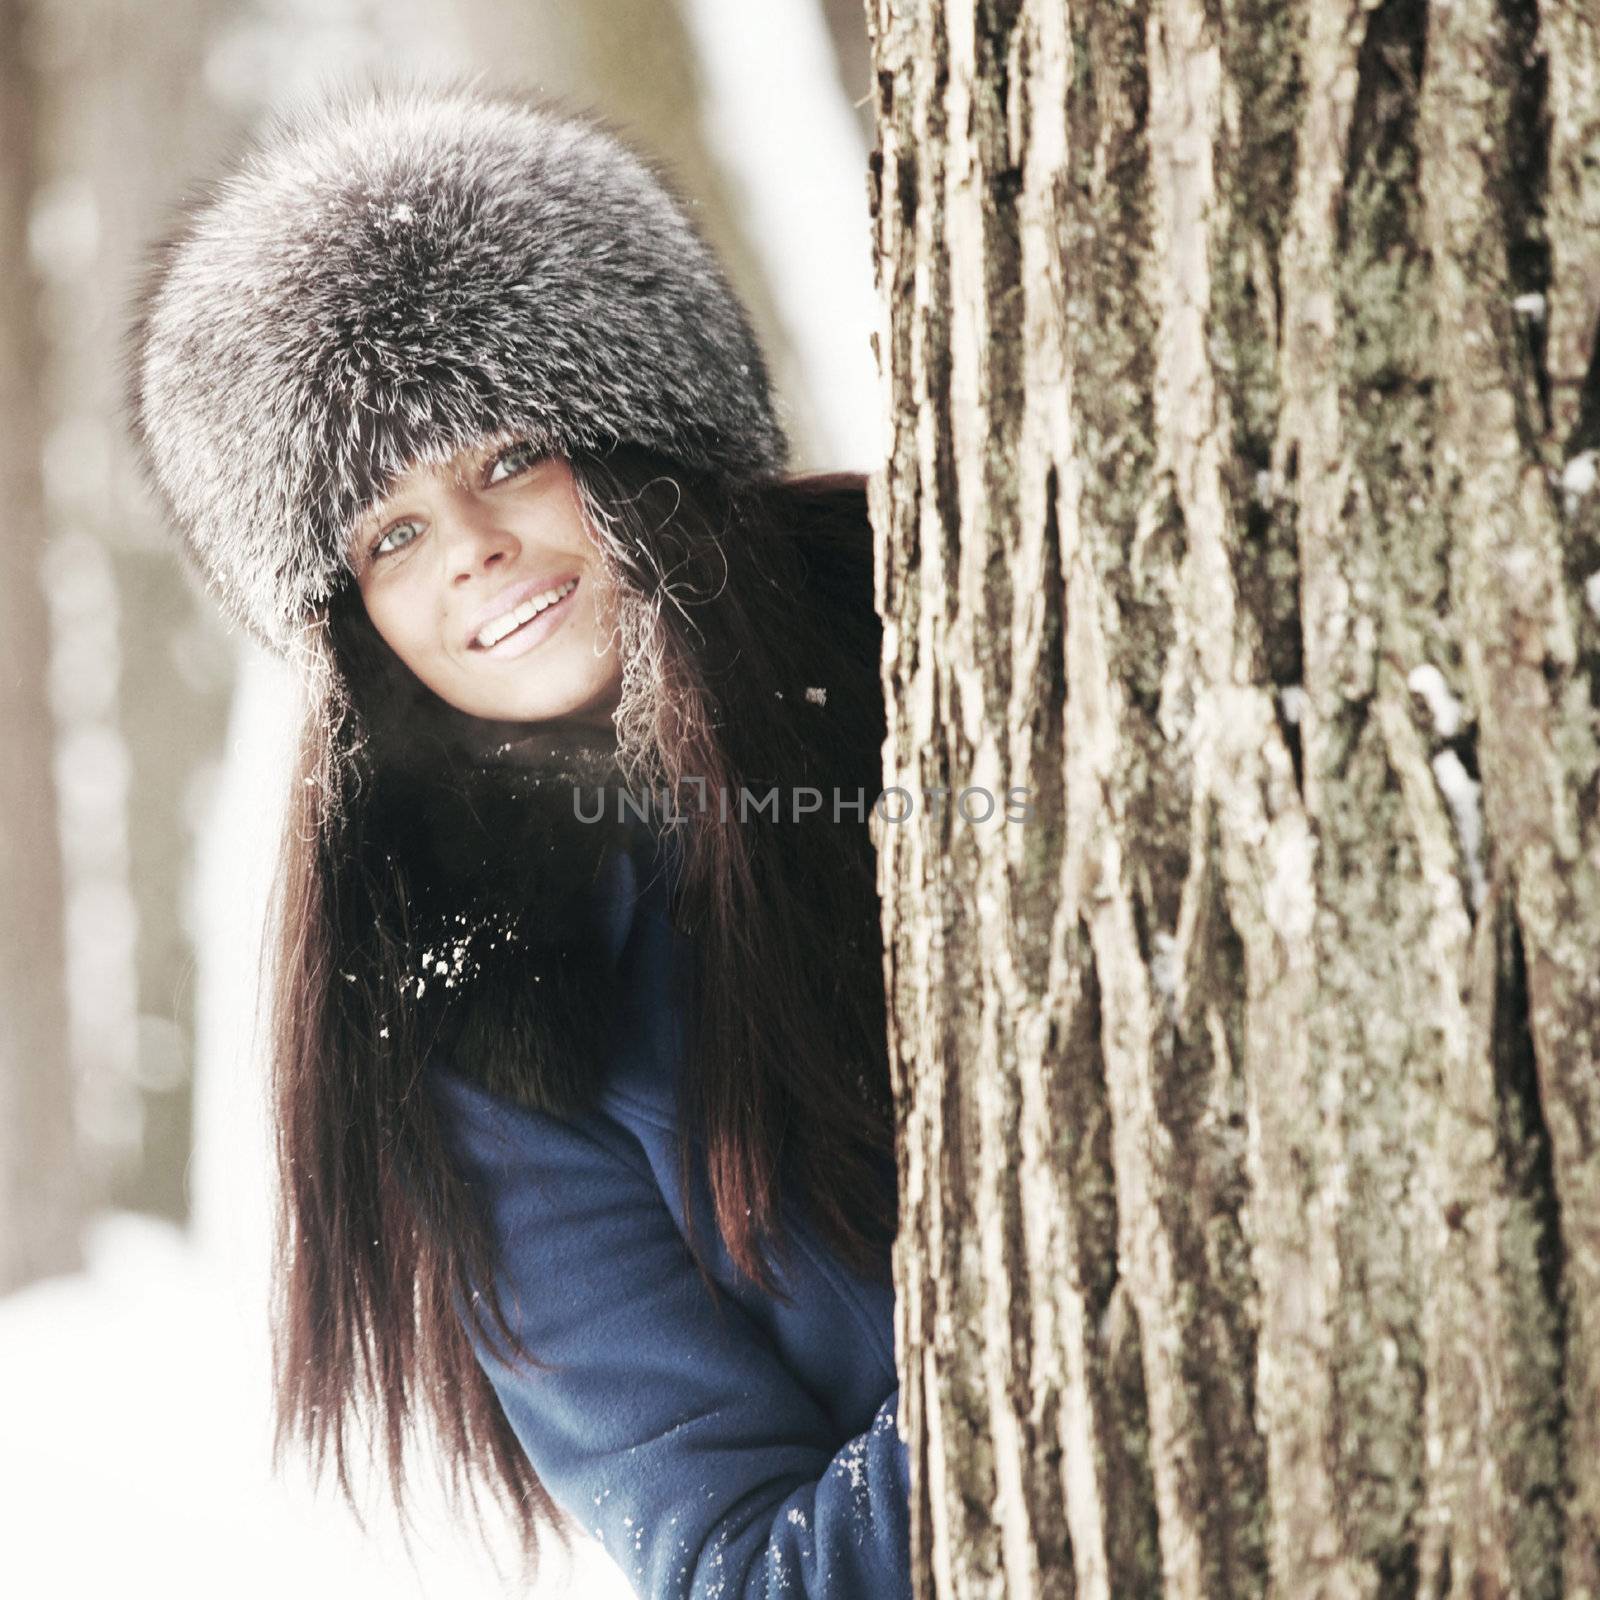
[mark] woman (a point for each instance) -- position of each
(584, 1127)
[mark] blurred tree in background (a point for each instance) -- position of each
(40, 1200)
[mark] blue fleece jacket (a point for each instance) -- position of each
(742, 1448)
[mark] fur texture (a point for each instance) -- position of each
(508, 926)
(399, 271)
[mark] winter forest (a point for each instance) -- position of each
(1228, 377)
(146, 742)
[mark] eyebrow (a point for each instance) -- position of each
(468, 462)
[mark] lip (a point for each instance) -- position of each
(510, 599)
(533, 633)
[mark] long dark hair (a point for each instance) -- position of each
(750, 647)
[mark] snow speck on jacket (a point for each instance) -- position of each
(717, 1451)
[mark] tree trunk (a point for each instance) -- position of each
(1241, 508)
(40, 1213)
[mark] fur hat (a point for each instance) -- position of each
(399, 271)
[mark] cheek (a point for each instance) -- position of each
(603, 611)
(606, 598)
(406, 625)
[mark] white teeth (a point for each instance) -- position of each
(495, 631)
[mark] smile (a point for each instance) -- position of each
(519, 617)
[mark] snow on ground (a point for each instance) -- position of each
(136, 1463)
(135, 1458)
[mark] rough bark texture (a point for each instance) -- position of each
(1242, 507)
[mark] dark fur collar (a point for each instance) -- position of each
(511, 921)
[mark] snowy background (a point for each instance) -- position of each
(151, 745)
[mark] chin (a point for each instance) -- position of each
(590, 703)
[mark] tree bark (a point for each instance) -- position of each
(40, 1206)
(1242, 508)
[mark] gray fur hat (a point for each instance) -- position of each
(396, 272)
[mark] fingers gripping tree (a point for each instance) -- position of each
(1241, 506)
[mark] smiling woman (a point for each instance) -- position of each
(484, 579)
(585, 1137)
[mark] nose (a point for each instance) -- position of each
(474, 541)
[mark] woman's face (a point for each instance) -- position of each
(482, 576)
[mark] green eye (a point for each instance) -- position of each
(519, 457)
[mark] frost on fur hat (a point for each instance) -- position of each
(397, 272)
